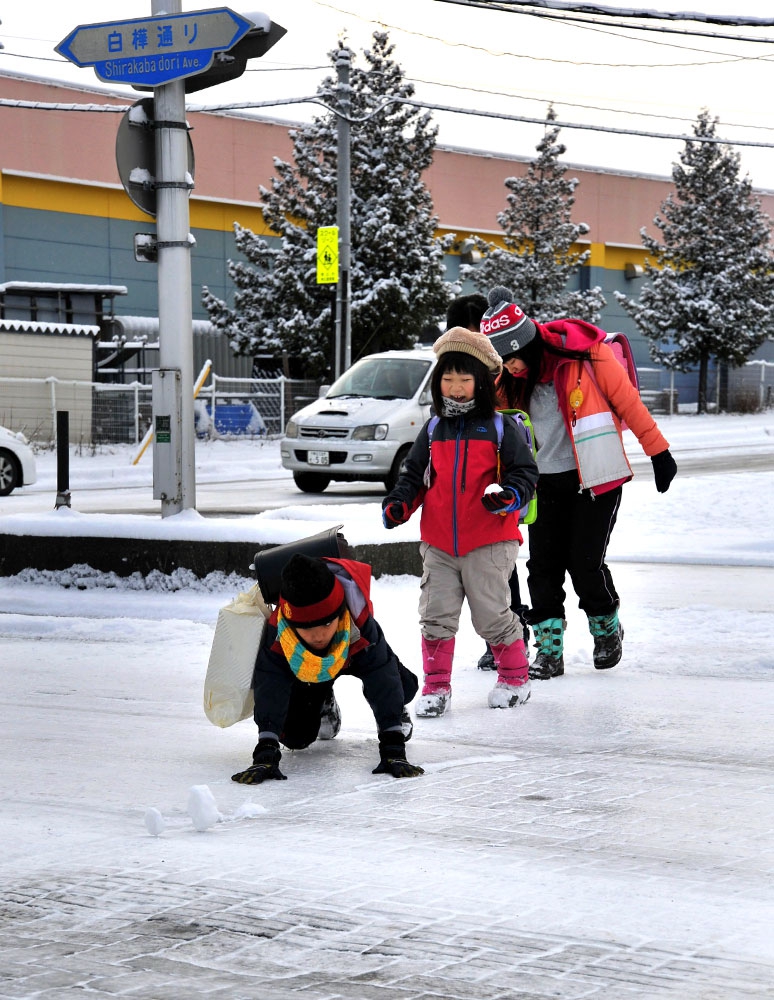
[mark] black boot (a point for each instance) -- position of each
(549, 661)
(486, 660)
(330, 718)
(608, 635)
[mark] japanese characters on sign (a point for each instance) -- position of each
(156, 50)
(327, 255)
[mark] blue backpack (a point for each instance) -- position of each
(528, 513)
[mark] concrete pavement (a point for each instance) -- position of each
(612, 839)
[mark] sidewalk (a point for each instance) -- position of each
(611, 839)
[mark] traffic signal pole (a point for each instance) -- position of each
(177, 490)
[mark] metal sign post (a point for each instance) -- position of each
(173, 242)
(165, 53)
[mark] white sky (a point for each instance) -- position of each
(492, 61)
(595, 817)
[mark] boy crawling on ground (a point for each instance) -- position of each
(322, 628)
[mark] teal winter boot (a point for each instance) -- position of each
(608, 635)
(549, 661)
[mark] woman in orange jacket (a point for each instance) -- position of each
(578, 397)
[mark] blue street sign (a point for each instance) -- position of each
(154, 50)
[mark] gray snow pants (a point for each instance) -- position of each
(482, 577)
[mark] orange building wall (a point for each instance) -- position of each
(234, 155)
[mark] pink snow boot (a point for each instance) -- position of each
(437, 656)
(513, 686)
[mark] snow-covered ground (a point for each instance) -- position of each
(612, 838)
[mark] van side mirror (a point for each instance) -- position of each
(322, 391)
(426, 398)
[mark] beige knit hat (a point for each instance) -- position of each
(468, 342)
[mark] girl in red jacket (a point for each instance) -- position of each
(578, 396)
(471, 486)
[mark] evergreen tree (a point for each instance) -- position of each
(397, 277)
(539, 261)
(711, 278)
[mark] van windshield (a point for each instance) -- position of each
(381, 378)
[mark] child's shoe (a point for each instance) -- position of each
(608, 637)
(549, 662)
(486, 661)
(330, 719)
(437, 656)
(509, 695)
(430, 706)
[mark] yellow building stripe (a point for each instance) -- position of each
(104, 202)
(107, 202)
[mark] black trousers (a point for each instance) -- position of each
(517, 605)
(570, 535)
(302, 723)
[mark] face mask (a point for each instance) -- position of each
(451, 408)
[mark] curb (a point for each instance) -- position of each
(125, 556)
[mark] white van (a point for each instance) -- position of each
(361, 429)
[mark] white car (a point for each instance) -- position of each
(17, 463)
(364, 425)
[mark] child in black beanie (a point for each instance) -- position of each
(323, 627)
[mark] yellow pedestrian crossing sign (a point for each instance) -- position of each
(327, 255)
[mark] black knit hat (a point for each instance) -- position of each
(310, 594)
(506, 325)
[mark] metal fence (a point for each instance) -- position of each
(747, 389)
(255, 407)
(752, 387)
(228, 407)
(107, 413)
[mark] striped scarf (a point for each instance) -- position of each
(305, 664)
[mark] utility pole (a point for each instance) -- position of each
(174, 286)
(343, 338)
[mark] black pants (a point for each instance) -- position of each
(516, 603)
(570, 535)
(302, 723)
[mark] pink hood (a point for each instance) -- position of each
(574, 334)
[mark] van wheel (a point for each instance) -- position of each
(10, 474)
(311, 482)
(397, 465)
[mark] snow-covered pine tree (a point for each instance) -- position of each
(397, 278)
(711, 277)
(539, 261)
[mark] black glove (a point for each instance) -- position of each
(266, 758)
(502, 501)
(394, 512)
(392, 753)
(664, 470)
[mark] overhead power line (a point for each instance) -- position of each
(562, 102)
(566, 15)
(420, 105)
(514, 6)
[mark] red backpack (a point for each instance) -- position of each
(621, 347)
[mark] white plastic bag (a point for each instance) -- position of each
(228, 686)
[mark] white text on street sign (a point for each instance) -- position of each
(156, 50)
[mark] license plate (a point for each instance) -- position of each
(318, 458)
